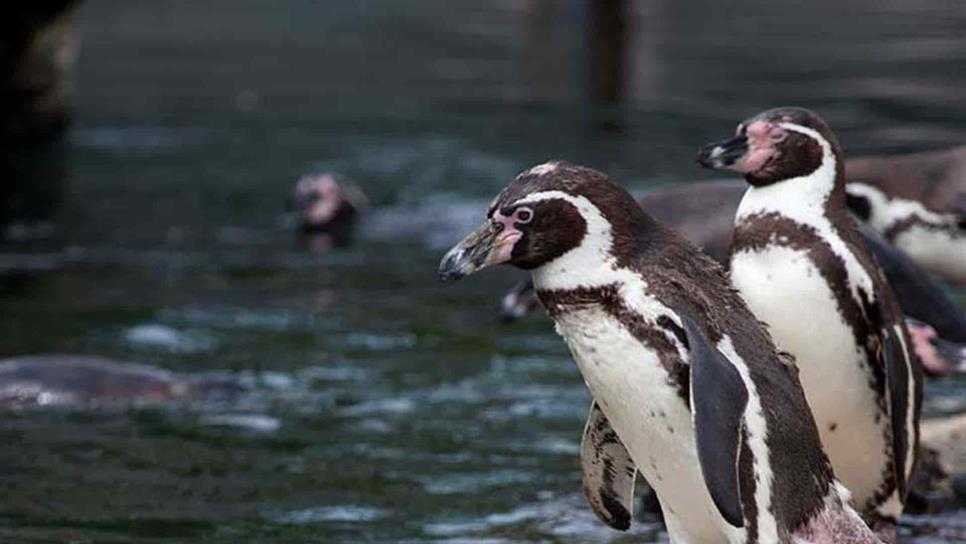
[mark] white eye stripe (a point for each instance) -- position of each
(491, 209)
(548, 195)
(811, 133)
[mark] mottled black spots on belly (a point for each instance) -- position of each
(608, 298)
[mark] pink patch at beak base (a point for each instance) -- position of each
(503, 247)
(760, 147)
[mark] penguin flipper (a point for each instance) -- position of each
(889, 346)
(607, 471)
(897, 359)
(718, 401)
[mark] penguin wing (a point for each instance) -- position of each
(607, 471)
(718, 400)
(899, 376)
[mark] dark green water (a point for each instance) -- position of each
(381, 405)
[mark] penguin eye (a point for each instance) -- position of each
(523, 215)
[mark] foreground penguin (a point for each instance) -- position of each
(800, 263)
(688, 387)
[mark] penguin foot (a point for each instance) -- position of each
(938, 356)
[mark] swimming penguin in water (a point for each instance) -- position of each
(327, 207)
(688, 387)
(801, 265)
(80, 381)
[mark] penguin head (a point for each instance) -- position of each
(547, 212)
(774, 146)
(326, 207)
(326, 202)
(865, 201)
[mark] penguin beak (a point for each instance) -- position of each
(491, 244)
(723, 154)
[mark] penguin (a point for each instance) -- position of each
(81, 381)
(327, 207)
(936, 241)
(800, 263)
(935, 179)
(688, 388)
(918, 203)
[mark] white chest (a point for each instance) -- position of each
(942, 252)
(644, 407)
(785, 290)
(805, 201)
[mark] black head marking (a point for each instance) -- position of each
(770, 147)
(794, 154)
(543, 214)
(557, 226)
(859, 205)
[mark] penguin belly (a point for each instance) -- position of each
(785, 289)
(644, 407)
(939, 251)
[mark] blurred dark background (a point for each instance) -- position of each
(148, 149)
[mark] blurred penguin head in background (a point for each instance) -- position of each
(328, 205)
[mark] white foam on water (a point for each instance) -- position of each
(158, 336)
(250, 422)
(328, 514)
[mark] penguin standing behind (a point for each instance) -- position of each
(934, 179)
(688, 387)
(801, 265)
(937, 241)
(918, 203)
